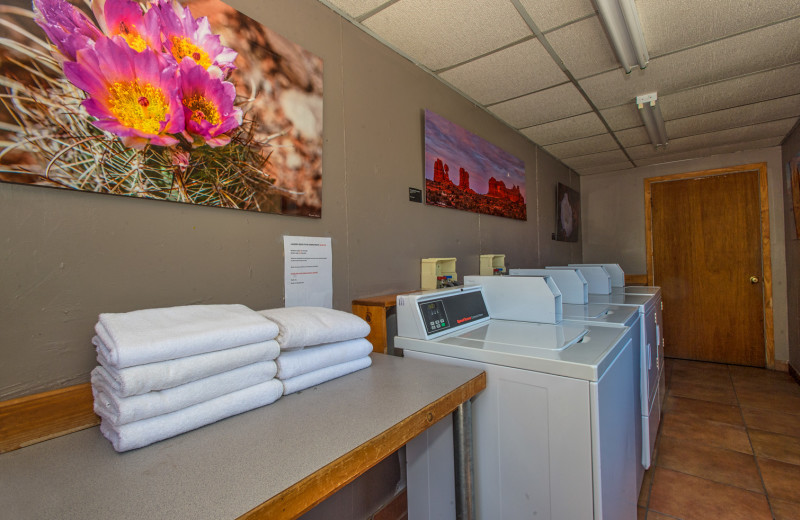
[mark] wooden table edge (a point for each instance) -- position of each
(307, 493)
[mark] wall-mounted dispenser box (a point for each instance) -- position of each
(493, 264)
(438, 273)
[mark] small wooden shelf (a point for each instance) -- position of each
(375, 310)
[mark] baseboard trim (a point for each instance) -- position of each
(47, 415)
(794, 373)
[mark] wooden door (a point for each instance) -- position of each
(707, 258)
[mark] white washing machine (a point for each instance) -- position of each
(554, 431)
(625, 316)
(596, 276)
(649, 306)
(614, 271)
(571, 282)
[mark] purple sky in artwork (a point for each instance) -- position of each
(459, 148)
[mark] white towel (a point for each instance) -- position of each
(141, 433)
(123, 410)
(152, 335)
(322, 375)
(140, 379)
(297, 362)
(305, 326)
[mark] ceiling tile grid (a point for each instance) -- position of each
(511, 72)
(725, 71)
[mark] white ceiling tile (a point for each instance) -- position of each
(698, 142)
(447, 32)
(771, 47)
(547, 14)
(583, 47)
(622, 116)
(595, 159)
(511, 72)
(678, 24)
(542, 107)
(584, 125)
(735, 117)
(356, 8)
(585, 146)
(707, 152)
(735, 92)
(605, 168)
(633, 136)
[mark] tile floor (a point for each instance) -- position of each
(728, 447)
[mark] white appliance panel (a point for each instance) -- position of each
(613, 431)
(540, 468)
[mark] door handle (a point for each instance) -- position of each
(754, 279)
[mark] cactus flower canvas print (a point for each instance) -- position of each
(183, 101)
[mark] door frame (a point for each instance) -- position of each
(766, 258)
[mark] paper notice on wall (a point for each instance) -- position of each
(308, 271)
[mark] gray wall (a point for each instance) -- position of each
(613, 221)
(791, 148)
(68, 256)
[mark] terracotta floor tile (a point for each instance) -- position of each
(704, 392)
(644, 492)
(693, 498)
(652, 515)
(776, 446)
(687, 407)
(784, 510)
(785, 387)
(711, 378)
(781, 480)
(717, 464)
(768, 399)
(706, 432)
(641, 513)
(698, 367)
(769, 421)
(739, 373)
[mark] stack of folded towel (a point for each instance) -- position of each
(167, 371)
(318, 344)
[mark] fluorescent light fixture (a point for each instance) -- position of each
(625, 31)
(652, 118)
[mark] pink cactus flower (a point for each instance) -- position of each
(208, 106)
(135, 95)
(185, 36)
(125, 18)
(66, 26)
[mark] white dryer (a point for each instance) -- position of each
(554, 431)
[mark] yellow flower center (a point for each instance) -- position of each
(202, 109)
(183, 47)
(138, 105)
(132, 37)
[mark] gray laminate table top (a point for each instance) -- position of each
(225, 469)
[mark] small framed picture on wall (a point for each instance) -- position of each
(568, 213)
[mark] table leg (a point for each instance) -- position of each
(464, 473)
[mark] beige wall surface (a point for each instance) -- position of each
(68, 256)
(791, 148)
(613, 221)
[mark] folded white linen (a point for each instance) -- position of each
(322, 375)
(152, 335)
(297, 362)
(305, 326)
(123, 410)
(140, 379)
(147, 431)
